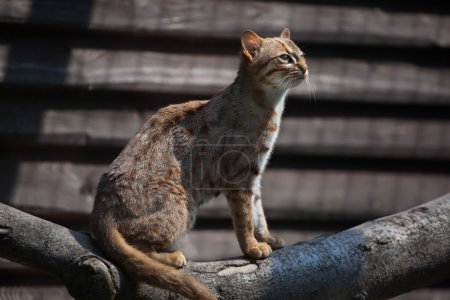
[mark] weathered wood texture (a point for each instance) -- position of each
(425, 294)
(378, 137)
(34, 293)
(342, 266)
(77, 78)
(333, 78)
(60, 293)
(324, 23)
(287, 194)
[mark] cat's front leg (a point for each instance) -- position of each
(261, 230)
(241, 204)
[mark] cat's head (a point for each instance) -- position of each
(276, 62)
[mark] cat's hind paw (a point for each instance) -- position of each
(177, 259)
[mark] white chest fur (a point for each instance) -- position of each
(269, 136)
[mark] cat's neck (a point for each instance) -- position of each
(251, 97)
(247, 106)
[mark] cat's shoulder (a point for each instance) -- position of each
(178, 112)
(185, 107)
(169, 116)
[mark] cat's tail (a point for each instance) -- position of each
(143, 268)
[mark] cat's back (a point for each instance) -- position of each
(161, 138)
(173, 115)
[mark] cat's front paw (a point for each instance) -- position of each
(260, 250)
(275, 242)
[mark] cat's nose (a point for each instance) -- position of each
(303, 73)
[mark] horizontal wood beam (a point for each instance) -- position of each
(338, 136)
(60, 293)
(34, 292)
(50, 65)
(226, 19)
(301, 194)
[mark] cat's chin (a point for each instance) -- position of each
(278, 88)
(296, 83)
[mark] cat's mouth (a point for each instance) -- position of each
(299, 78)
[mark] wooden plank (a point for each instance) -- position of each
(426, 294)
(379, 137)
(303, 194)
(333, 78)
(372, 137)
(71, 126)
(60, 293)
(20, 292)
(226, 19)
(10, 268)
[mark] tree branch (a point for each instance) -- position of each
(376, 260)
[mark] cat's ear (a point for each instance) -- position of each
(285, 34)
(251, 42)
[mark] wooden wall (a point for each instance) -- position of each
(77, 78)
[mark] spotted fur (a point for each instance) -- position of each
(187, 154)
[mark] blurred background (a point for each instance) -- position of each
(77, 78)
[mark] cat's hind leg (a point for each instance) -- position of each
(157, 225)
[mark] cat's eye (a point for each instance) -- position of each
(285, 59)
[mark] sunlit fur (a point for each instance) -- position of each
(268, 69)
(189, 153)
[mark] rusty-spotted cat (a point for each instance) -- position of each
(187, 154)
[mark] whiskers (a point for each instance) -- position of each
(311, 89)
(284, 82)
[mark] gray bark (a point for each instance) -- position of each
(375, 260)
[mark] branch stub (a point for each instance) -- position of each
(4, 232)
